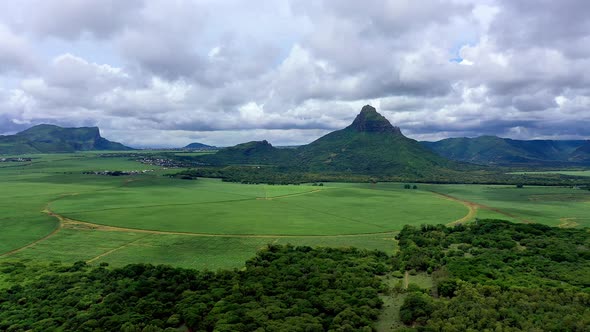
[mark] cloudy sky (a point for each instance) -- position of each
(168, 72)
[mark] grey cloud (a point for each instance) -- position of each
(207, 69)
(548, 24)
(71, 19)
(15, 53)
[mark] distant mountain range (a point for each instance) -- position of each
(370, 145)
(53, 139)
(492, 150)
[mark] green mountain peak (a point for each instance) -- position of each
(369, 120)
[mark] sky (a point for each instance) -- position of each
(164, 73)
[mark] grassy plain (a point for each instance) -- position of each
(27, 189)
(565, 172)
(212, 224)
(214, 207)
(554, 206)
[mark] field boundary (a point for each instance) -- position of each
(70, 223)
(55, 231)
(476, 206)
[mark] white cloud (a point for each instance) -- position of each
(228, 71)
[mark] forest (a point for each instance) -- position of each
(282, 288)
(497, 276)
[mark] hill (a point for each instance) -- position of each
(369, 145)
(251, 153)
(53, 139)
(199, 146)
(582, 153)
(493, 150)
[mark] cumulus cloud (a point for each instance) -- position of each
(229, 71)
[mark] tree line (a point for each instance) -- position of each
(281, 288)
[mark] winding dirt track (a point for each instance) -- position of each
(473, 207)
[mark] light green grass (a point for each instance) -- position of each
(547, 205)
(26, 190)
(389, 318)
(305, 214)
(423, 280)
(202, 252)
(565, 172)
(215, 207)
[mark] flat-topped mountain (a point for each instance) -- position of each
(46, 138)
(493, 150)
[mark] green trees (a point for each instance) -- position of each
(282, 288)
(416, 308)
(495, 275)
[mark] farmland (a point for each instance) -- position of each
(53, 212)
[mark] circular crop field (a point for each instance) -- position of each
(209, 206)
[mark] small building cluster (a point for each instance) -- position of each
(14, 160)
(162, 162)
(118, 173)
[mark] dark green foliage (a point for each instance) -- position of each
(189, 174)
(286, 175)
(417, 308)
(282, 288)
(498, 275)
(52, 139)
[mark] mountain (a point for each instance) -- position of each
(582, 153)
(199, 146)
(493, 150)
(252, 153)
(370, 145)
(53, 139)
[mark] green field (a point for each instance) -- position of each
(554, 206)
(212, 224)
(565, 172)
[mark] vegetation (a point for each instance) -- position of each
(199, 146)
(495, 275)
(369, 146)
(213, 207)
(282, 288)
(492, 150)
(554, 206)
(54, 139)
(252, 153)
(285, 175)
